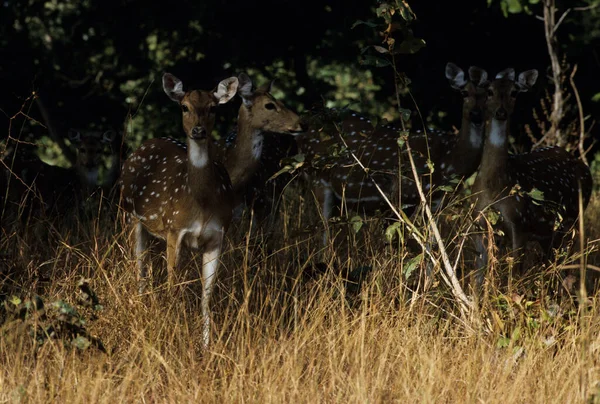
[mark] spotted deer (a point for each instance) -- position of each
(181, 193)
(91, 148)
(505, 182)
(263, 194)
(377, 148)
(45, 190)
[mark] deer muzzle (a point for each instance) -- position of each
(476, 116)
(501, 114)
(198, 133)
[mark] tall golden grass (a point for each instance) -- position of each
(286, 331)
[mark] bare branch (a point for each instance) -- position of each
(581, 119)
(558, 100)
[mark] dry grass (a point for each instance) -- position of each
(284, 332)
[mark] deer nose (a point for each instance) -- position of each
(476, 116)
(501, 114)
(198, 133)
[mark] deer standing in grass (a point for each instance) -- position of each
(553, 171)
(181, 193)
(377, 149)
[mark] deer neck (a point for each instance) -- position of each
(243, 157)
(495, 150)
(200, 168)
(88, 177)
(469, 147)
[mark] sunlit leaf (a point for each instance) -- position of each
(81, 343)
(393, 230)
(446, 188)
(536, 194)
(412, 264)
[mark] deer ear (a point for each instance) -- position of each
(477, 75)
(173, 87)
(527, 79)
(507, 73)
(109, 136)
(245, 88)
(455, 75)
(74, 135)
(226, 90)
(266, 88)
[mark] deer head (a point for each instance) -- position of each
(261, 111)
(198, 107)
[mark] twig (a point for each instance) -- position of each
(557, 106)
(583, 304)
(578, 266)
(581, 119)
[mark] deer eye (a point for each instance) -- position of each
(270, 106)
(184, 108)
(490, 93)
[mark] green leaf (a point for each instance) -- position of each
(516, 334)
(392, 230)
(412, 264)
(81, 343)
(357, 223)
(369, 60)
(503, 342)
(15, 300)
(405, 113)
(367, 23)
(596, 97)
(446, 188)
(410, 46)
(536, 194)
(514, 6)
(383, 10)
(430, 165)
(380, 49)
(492, 216)
(406, 12)
(290, 164)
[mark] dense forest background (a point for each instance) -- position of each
(98, 64)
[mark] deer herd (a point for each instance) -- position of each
(186, 193)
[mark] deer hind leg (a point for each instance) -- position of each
(174, 240)
(141, 238)
(518, 240)
(210, 263)
(326, 200)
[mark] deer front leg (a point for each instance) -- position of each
(482, 259)
(173, 255)
(210, 263)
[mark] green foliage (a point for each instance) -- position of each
(515, 6)
(57, 321)
(411, 265)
